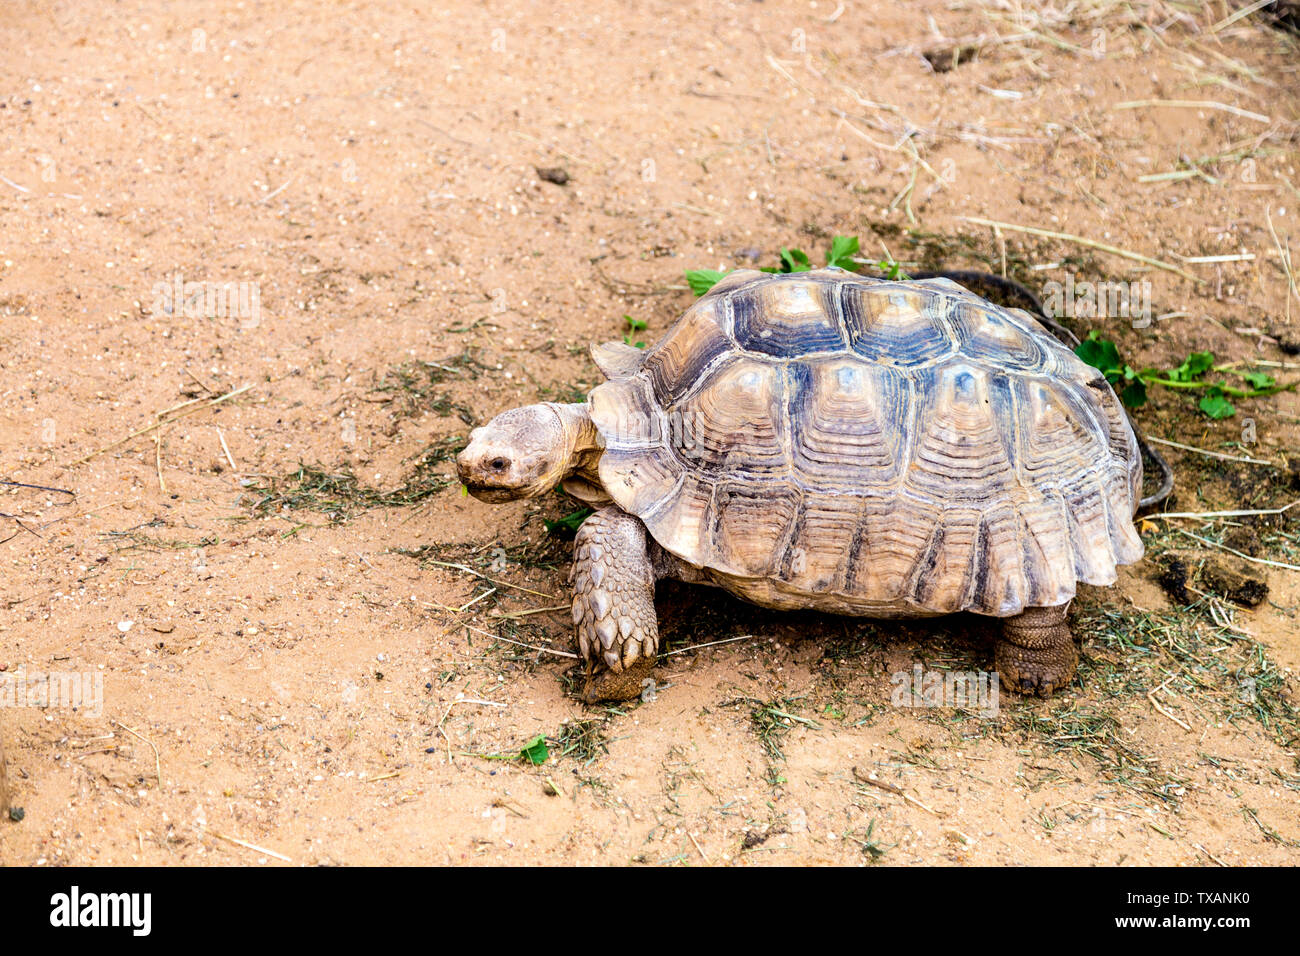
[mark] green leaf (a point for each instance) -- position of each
(569, 523)
(891, 269)
(702, 280)
(536, 751)
(1101, 354)
(633, 326)
(1193, 367)
(843, 248)
(795, 260)
(1258, 380)
(1215, 405)
(1134, 394)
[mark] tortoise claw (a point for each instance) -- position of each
(606, 685)
(1034, 678)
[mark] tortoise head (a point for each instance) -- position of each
(522, 453)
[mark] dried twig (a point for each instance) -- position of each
(277, 190)
(696, 647)
(157, 761)
(1242, 555)
(1090, 243)
(246, 845)
(461, 700)
(1209, 854)
(1202, 515)
(890, 788)
(160, 423)
(531, 647)
(4, 784)
(1195, 104)
(226, 448)
(479, 574)
(1229, 21)
(881, 784)
(20, 484)
(1284, 253)
(1209, 454)
(9, 182)
(1156, 704)
(157, 460)
(531, 611)
(698, 847)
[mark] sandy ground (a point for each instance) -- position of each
(293, 685)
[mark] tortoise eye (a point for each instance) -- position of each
(499, 464)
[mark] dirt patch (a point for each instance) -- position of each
(1220, 576)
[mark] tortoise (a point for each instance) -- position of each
(825, 440)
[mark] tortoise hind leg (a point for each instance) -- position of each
(614, 605)
(1036, 653)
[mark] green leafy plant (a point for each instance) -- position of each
(839, 256)
(792, 260)
(633, 327)
(1103, 355)
(1193, 374)
(535, 752)
(843, 249)
(1197, 371)
(891, 269)
(569, 524)
(702, 280)
(872, 848)
(1215, 405)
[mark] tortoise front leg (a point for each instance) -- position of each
(614, 605)
(1036, 653)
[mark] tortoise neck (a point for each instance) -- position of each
(582, 440)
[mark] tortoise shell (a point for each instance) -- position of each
(869, 446)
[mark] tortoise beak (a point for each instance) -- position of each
(465, 465)
(493, 496)
(485, 473)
